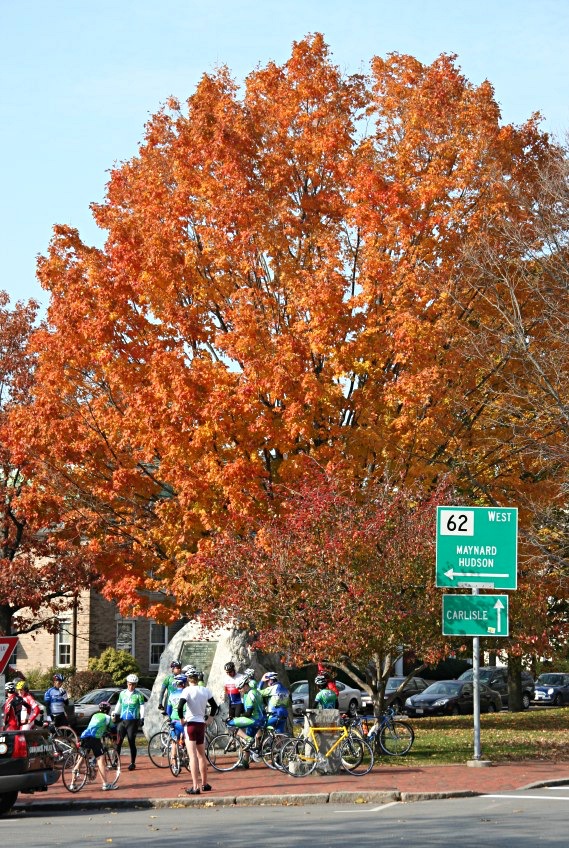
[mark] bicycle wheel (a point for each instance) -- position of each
(158, 750)
(75, 771)
(298, 757)
(396, 738)
(113, 765)
(224, 752)
(66, 734)
(271, 748)
(61, 750)
(165, 729)
(357, 756)
(174, 758)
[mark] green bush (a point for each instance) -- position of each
(40, 678)
(117, 663)
(85, 681)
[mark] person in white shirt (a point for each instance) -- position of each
(192, 705)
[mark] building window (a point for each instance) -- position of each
(158, 642)
(63, 643)
(125, 636)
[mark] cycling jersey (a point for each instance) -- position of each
(253, 705)
(326, 700)
(11, 712)
(55, 700)
(276, 695)
(97, 727)
(232, 688)
(130, 705)
(30, 711)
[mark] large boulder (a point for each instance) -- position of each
(208, 650)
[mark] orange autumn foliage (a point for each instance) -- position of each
(279, 280)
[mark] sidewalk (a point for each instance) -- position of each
(152, 787)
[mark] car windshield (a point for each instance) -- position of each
(93, 697)
(301, 690)
(443, 687)
(550, 679)
(484, 674)
(393, 683)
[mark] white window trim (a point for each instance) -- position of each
(151, 643)
(132, 623)
(67, 623)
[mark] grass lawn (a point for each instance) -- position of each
(532, 735)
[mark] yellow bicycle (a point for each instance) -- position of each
(300, 756)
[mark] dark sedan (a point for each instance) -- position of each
(451, 697)
(552, 688)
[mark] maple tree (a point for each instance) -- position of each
(284, 276)
(42, 567)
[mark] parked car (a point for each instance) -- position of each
(496, 677)
(451, 697)
(86, 706)
(393, 698)
(349, 699)
(552, 688)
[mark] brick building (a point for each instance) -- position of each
(87, 630)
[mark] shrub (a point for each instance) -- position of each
(85, 681)
(117, 663)
(38, 678)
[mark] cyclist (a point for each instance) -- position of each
(325, 698)
(277, 698)
(231, 683)
(329, 674)
(129, 711)
(91, 740)
(56, 700)
(168, 687)
(177, 727)
(12, 709)
(193, 706)
(252, 720)
(31, 710)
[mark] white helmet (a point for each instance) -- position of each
(132, 678)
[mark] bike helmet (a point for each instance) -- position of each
(229, 666)
(321, 680)
(246, 681)
(271, 675)
(193, 673)
(250, 672)
(104, 707)
(189, 669)
(181, 678)
(10, 688)
(21, 684)
(132, 678)
(175, 664)
(58, 677)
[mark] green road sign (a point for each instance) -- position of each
(475, 615)
(477, 547)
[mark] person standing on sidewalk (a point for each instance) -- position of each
(192, 706)
(56, 700)
(129, 712)
(232, 682)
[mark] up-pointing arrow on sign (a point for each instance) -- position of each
(499, 606)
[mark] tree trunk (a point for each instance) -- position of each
(515, 684)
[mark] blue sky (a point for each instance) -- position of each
(78, 80)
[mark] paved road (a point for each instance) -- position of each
(522, 819)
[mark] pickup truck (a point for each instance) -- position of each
(26, 764)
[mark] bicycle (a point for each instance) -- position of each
(392, 736)
(226, 750)
(178, 755)
(158, 748)
(300, 756)
(64, 741)
(80, 767)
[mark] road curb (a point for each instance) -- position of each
(292, 800)
(543, 784)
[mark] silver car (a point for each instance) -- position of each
(349, 699)
(86, 706)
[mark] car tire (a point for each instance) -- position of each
(455, 711)
(7, 801)
(526, 701)
(397, 705)
(557, 701)
(491, 708)
(353, 706)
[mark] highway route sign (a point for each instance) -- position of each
(475, 615)
(477, 547)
